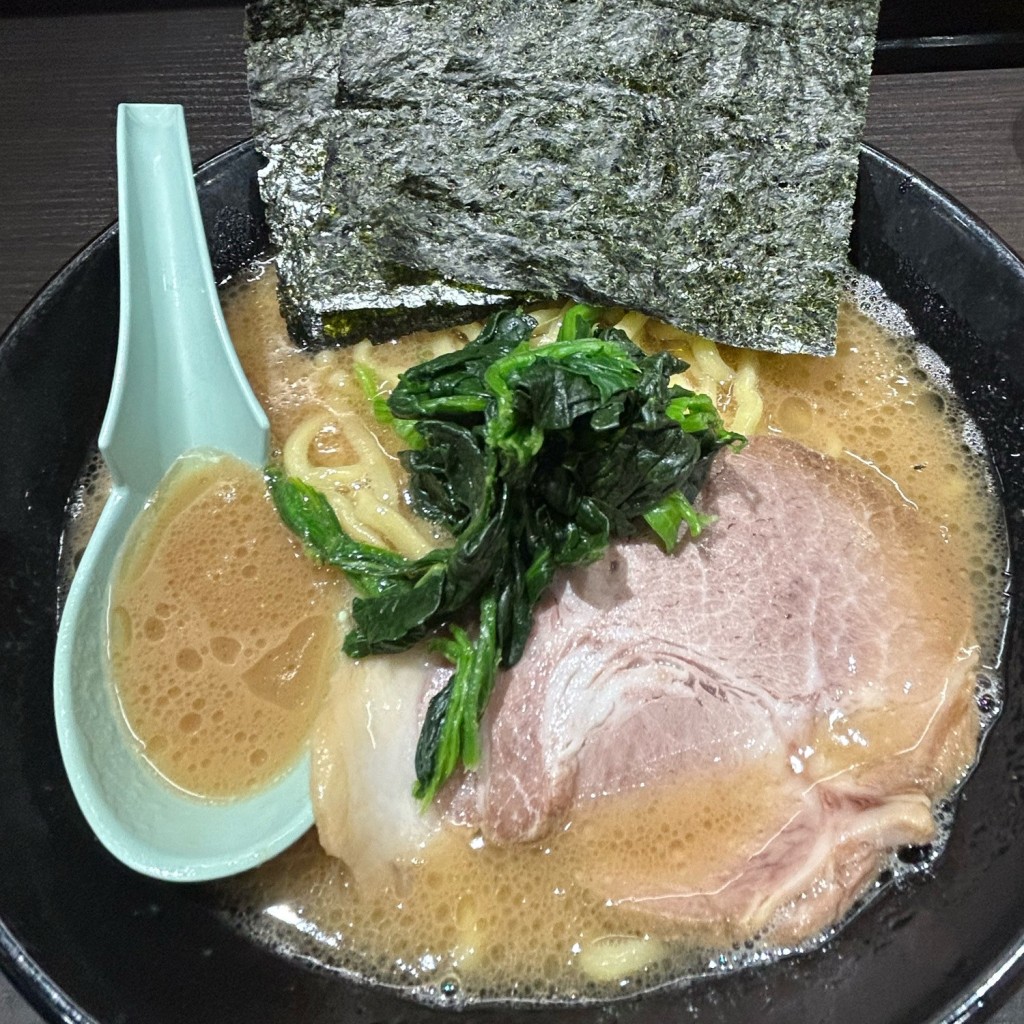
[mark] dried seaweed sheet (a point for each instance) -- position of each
(693, 159)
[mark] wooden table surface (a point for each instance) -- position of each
(61, 78)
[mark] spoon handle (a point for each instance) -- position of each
(177, 383)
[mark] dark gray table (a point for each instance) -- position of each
(62, 77)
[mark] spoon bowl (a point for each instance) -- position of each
(178, 388)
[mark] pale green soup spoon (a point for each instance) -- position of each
(177, 387)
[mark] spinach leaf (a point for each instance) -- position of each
(452, 385)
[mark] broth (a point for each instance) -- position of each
(468, 920)
(221, 633)
(464, 920)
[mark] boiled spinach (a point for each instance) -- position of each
(532, 457)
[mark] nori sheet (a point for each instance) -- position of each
(693, 159)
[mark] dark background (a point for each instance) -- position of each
(913, 35)
(927, 35)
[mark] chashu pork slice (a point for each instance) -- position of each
(812, 633)
(806, 662)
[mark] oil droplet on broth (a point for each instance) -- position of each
(219, 670)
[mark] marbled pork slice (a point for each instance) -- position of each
(806, 631)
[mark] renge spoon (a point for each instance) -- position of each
(178, 387)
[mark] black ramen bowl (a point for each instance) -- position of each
(85, 939)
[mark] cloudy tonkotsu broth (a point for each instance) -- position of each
(464, 919)
(221, 633)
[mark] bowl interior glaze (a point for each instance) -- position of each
(86, 939)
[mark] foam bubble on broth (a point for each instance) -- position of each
(870, 299)
(221, 633)
(83, 510)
